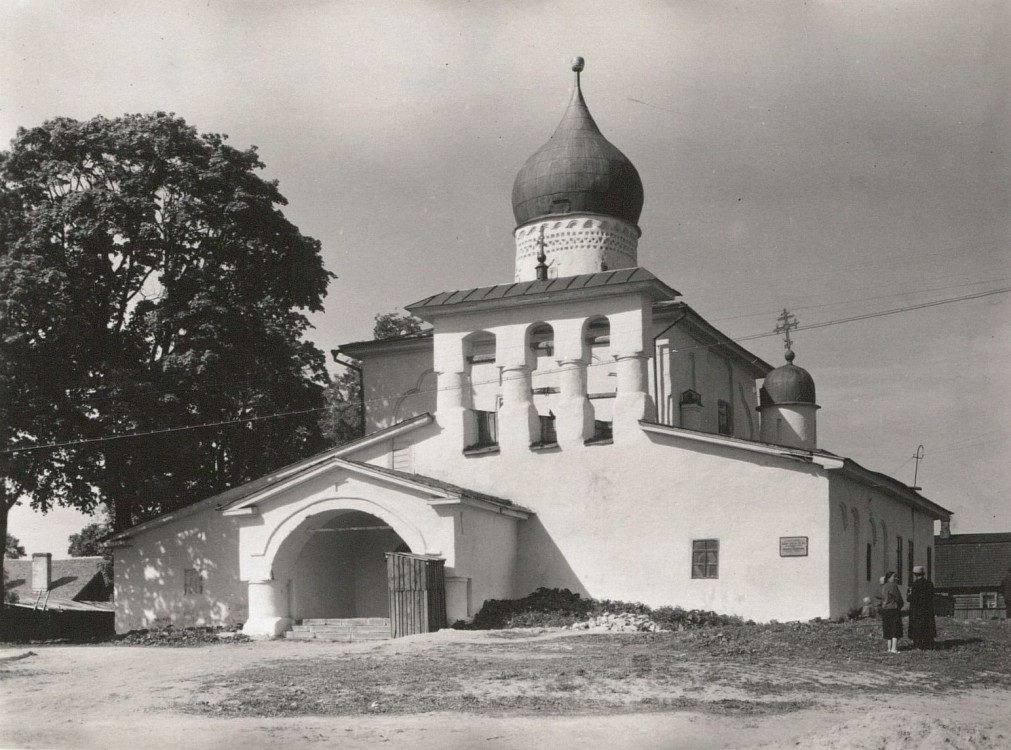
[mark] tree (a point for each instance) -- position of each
(87, 542)
(342, 421)
(148, 281)
(13, 549)
(392, 325)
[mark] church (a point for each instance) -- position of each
(578, 426)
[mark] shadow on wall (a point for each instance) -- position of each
(542, 563)
(186, 575)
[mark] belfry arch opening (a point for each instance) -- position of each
(335, 567)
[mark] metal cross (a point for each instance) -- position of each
(787, 322)
(541, 267)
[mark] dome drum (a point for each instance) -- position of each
(575, 244)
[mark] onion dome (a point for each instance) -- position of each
(787, 384)
(577, 171)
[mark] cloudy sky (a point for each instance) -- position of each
(835, 158)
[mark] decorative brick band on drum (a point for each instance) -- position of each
(576, 244)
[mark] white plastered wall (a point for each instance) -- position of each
(150, 574)
(617, 521)
(862, 514)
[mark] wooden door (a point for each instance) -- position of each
(417, 586)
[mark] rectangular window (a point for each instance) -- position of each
(705, 558)
(726, 418)
(989, 599)
(870, 553)
(193, 582)
(898, 560)
(911, 562)
(930, 563)
(602, 430)
(487, 428)
(548, 434)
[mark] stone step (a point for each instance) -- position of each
(343, 630)
(347, 621)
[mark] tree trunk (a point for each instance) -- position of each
(4, 510)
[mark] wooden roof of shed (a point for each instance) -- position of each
(977, 561)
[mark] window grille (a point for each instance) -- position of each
(705, 558)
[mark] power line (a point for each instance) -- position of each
(501, 379)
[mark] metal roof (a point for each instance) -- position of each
(441, 486)
(519, 289)
(577, 171)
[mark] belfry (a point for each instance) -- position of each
(579, 426)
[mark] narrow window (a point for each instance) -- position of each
(898, 560)
(911, 561)
(930, 563)
(193, 582)
(548, 434)
(487, 428)
(726, 418)
(705, 558)
(870, 553)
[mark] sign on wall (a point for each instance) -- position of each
(793, 546)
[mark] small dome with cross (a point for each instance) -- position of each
(788, 384)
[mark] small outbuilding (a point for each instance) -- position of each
(970, 568)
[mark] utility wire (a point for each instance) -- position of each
(501, 379)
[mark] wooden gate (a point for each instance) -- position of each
(417, 587)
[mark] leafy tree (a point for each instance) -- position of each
(148, 281)
(88, 541)
(393, 324)
(342, 421)
(13, 549)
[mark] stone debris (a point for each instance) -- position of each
(620, 622)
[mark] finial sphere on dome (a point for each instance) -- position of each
(578, 64)
(789, 355)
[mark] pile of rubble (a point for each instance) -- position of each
(621, 622)
(169, 636)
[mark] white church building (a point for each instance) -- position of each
(577, 427)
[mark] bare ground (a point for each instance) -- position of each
(794, 685)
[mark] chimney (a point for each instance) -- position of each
(945, 528)
(42, 571)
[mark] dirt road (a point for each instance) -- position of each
(147, 697)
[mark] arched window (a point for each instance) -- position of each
(601, 380)
(845, 516)
(483, 380)
(544, 380)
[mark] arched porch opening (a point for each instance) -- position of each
(336, 567)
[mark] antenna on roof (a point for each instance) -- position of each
(919, 457)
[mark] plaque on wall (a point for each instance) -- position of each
(793, 546)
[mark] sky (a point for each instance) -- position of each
(834, 158)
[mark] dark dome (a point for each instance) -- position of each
(578, 170)
(787, 384)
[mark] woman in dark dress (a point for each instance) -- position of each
(921, 610)
(891, 612)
